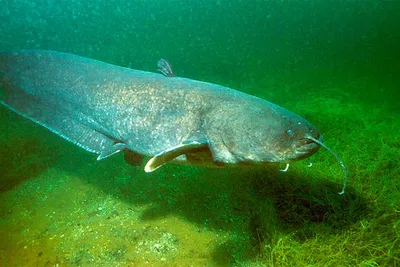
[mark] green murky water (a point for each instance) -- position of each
(336, 63)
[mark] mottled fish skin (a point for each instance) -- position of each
(149, 113)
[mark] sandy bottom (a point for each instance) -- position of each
(57, 219)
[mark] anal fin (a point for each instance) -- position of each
(53, 118)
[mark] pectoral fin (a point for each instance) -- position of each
(171, 153)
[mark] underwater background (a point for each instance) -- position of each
(335, 63)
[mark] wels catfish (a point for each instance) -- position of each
(105, 109)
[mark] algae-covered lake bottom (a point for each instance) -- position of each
(61, 207)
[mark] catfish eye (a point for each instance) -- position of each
(289, 132)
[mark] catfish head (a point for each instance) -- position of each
(259, 133)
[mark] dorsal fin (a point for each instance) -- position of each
(165, 68)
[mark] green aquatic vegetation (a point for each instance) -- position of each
(359, 228)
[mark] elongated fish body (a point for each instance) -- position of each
(105, 109)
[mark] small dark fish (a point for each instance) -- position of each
(106, 109)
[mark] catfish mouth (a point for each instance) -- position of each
(306, 147)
